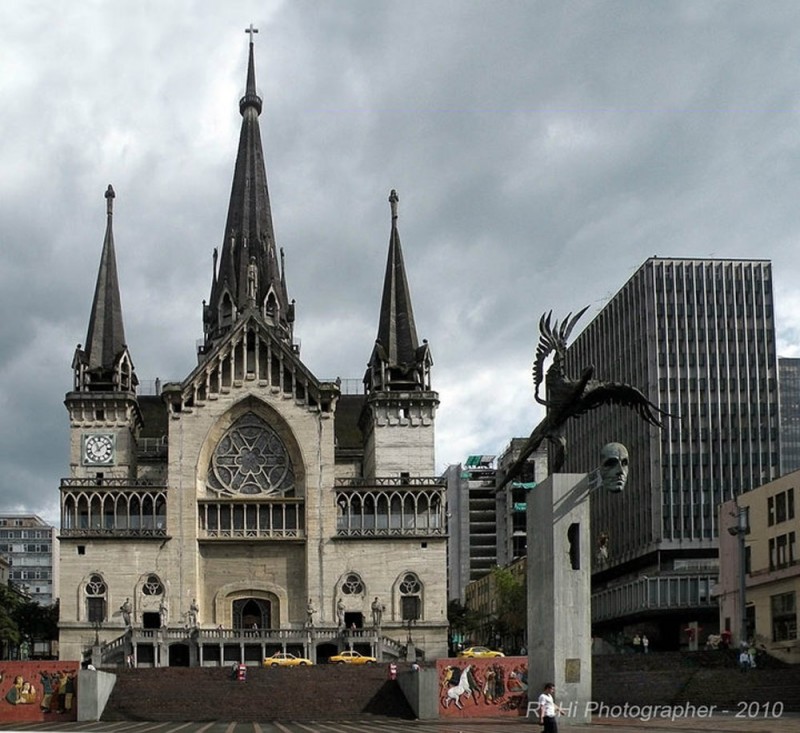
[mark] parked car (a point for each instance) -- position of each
(284, 659)
(480, 651)
(351, 658)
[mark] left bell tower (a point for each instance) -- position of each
(104, 413)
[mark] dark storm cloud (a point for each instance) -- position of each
(542, 151)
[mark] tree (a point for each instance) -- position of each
(9, 629)
(511, 615)
(37, 622)
(463, 621)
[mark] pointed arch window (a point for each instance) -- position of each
(396, 511)
(410, 590)
(226, 311)
(251, 459)
(271, 305)
(96, 592)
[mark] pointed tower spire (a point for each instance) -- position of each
(398, 362)
(104, 364)
(249, 239)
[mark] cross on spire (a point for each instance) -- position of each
(251, 31)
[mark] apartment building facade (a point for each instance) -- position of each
(31, 547)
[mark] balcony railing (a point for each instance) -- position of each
(391, 481)
(113, 508)
(282, 519)
(391, 507)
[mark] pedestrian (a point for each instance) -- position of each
(548, 710)
(645, 643)
(744, 660)
(637, 643)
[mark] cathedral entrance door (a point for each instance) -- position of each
(178, 655)
(252, 613)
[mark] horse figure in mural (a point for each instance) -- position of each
(464, 687)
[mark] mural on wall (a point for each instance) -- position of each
(473, 688)
(44, 691)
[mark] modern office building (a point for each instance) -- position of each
(31, 547)
(764, 541)
(789, 392)
(486, 527)
(252, 507)
(697, 336)
(512, 500)
(472, 522)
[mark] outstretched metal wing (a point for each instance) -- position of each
(618, 393)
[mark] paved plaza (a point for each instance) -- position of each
(721, 722)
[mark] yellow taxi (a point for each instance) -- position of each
(284, 659)
(351, 658)
(476, 652)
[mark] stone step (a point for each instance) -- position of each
(299, 693)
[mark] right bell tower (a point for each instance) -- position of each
(398, 417)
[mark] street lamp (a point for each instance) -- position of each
(98, 624)
(740, 529)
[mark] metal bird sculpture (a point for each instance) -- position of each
(567, 397)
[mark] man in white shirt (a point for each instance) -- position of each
(548, 710)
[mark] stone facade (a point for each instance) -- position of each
(251, 508)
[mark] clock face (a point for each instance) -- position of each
(98, 449)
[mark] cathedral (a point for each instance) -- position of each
(251, 508)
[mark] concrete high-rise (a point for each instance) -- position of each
(472, 522)
(697, 336)
(789, 390)
(512, 499)
(30, 545)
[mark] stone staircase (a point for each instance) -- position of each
(700, 678)
(324, 692)
(341, 692)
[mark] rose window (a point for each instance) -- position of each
(251, 459)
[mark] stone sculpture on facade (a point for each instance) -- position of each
(126, 610)
(193, 616)
(377, 612)
(340, 614)
(310, 611)
(567, 397)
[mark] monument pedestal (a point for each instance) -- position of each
(559, 593)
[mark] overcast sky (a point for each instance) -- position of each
(541, 151)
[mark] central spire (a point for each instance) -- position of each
(248, 275)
